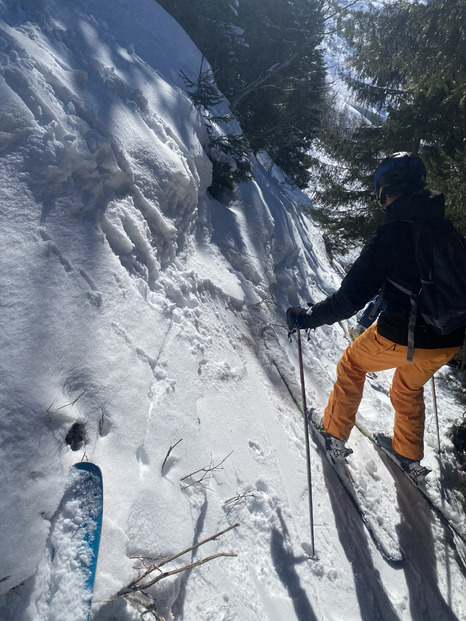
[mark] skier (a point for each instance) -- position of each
(388, 256)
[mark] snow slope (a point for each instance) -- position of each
(138, 307)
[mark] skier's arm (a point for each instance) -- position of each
(359, 286)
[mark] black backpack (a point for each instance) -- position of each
(440, 253)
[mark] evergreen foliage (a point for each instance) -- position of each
(457, 434)
(266, 61)
(227, 151)
(409, 63)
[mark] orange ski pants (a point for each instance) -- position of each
(371, 352)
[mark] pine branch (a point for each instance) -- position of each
(261, 79)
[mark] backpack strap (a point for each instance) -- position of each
(412, 325)
(413, 296)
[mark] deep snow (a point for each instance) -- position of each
(136, 305)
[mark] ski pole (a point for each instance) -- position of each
(306, 435)
(434, 401)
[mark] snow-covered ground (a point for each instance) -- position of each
(137, 306)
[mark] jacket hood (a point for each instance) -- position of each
(427, 204)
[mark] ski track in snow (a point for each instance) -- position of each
(138, 306)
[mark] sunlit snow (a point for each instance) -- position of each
(136, 305)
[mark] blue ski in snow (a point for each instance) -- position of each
(75, 539)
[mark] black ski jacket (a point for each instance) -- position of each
(389, 254)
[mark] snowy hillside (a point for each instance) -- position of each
(148, 318)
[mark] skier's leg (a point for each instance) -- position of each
(407, 397)
(369, 352)
(340, 413)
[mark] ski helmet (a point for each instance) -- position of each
(399, 172)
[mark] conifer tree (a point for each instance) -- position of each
(409, 62)
(266, 61)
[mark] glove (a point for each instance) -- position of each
(297, 317)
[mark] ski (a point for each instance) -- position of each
(74, 542)
(382, 533)
(419, 484)
(381, 528)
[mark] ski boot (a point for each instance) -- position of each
(335, 447)
(412, 467)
